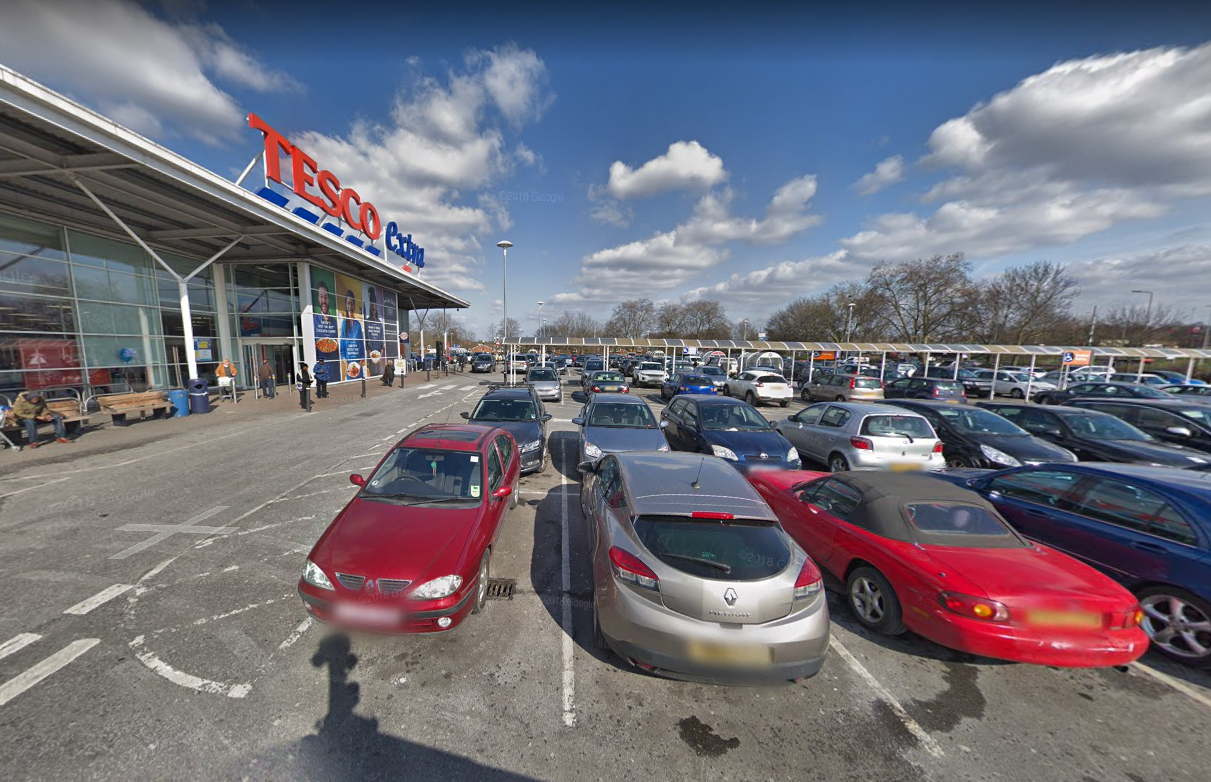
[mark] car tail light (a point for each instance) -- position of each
(937, 447)
(937, 391)
(759, 385)
(626, 389)
(862, 444)
(596, 388)
(1127, 620)
(810, 581)
(974, 607)
(853, 383)
(711, 514)
(630, 569)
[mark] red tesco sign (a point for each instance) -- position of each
(334, 200)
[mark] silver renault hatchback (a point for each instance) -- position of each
(693, 577)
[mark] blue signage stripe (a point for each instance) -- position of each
(307, 214)
(333, 228)
(373, 250)
(354, 240)
(273, 197)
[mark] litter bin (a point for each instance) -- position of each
(199, 396)
(180, 402)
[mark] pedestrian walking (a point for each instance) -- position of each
(31, 409)
(304, 385)
(389, 373)
(321, 379)
(265, 375)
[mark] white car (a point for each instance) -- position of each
(760, 385)
(649, 373)
(1015, 385)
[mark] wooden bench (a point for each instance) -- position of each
(69, 409)
(121, 405)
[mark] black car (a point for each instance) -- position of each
(926, 388)
(727, 428)
(520, 412)
(1189, 392)
(483, 362)
(1171, 420)
(973, 383)
(972, 437)
(1097, 437)
(1102, 390)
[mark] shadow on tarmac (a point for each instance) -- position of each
(347, 746)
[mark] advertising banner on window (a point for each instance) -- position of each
(351, 322)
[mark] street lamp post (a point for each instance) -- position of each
(849, 321)
(1147, 330)
(744, 330)
(504, 245)
(542, 348)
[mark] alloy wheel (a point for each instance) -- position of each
(1179, 627)
(867, 600)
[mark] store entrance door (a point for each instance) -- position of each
(279, 355)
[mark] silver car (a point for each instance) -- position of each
(853, 436)
(612, 423)
(693, 577)
(546, 383)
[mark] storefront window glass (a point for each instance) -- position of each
(117, 256)
(35, 313)
(26, 237)
(34, 274)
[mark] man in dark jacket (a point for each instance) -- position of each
(389, 373)
(304, 386)
(265, 375)
(30, 409)
(321, 379)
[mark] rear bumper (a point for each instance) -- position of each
(864, 460)
(674, 667)
(549, 396)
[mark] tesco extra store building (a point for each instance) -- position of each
(126, 266)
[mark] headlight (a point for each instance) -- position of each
(530, 446)
(591, 451)
(724, 453)
(438, 587)
(1000, 457)
(314, 576)
(792, 455)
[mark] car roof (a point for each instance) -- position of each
(613, 398)
(453, 437)
(1176, 403)
(1191, 480)
(662, 483)
(939, 405)
(712, 399)
(508, 393)
(866, 408)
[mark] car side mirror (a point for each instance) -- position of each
(357, 480)
(579, 397)
(584, 468)
(1051, 431)
(547, 416)
(502, 492)
(1179, 431)
(578, 421)
(465, 415)
(664, 424)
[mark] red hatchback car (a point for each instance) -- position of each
(944, 564)
(412, 550)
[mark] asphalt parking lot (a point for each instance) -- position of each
(190, 656)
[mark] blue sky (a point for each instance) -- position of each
(684, 153)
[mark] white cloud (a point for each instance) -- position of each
(1174, 273)
(612, 212)
(770, 288)
(442, 140)
(886, 173)
(686, 166)
(155, 75)
(527, 156)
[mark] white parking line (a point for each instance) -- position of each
(165, 531)
(569, 673)
(102, 597)
(927, 741)
(468, 388)
(31, 488)
(1180, 686)
(297, 634)
(17, 643)
(185, 679)
(28, 678)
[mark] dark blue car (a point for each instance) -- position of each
(728, 428)
(1147, 527)
(686, 383)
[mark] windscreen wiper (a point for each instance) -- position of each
(721, 566)
(432, 500)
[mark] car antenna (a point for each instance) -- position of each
(695, 485)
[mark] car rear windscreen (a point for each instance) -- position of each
(771, 379)
(945, 518)
(948, 385)
(736, 550)
(867, 382)
(913, 426)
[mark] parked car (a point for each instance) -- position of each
(1099, 389)
(517, 362)
(760, 385)
(412, 551)
(727, 428)
(614, 423)
(714, 373)
(1190, 392)
(693, 577)
(842, 388)
(1018, 386)
(862, 436)
(1147, 527)
(1169, 420)
(520, 412)
(688, 383)
(1177, 378)
(976, 382)
(577, 361)
(592, 364)
(972, 437)
(648, 373)
(915, 387)
(546, 382)
(483, 362)
(1147, 378)
(1096, 437)
(922, 555)
(608, 382)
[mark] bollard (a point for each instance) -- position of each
(307, 399)
(363, 385)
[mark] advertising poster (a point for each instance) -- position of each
(327, 346)
(348, 299)
(353, 370)
(374, 346)
(352, 344)
(390, 312)
(372, 297)
(323, 295)
(49, 362)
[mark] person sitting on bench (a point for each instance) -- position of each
(30, 408)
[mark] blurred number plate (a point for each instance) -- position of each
(906, 466)
(1081, 619)
(353, 612)
(720, 654)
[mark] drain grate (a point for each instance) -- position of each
(501, 588)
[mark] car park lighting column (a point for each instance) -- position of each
(504, 245)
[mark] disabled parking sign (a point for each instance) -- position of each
(1077, 357)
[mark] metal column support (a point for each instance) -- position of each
(996, 369)
(1030, 378)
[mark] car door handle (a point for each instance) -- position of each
(1146, 546)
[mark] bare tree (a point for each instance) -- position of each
(670, 320)
(569, 324)
(439, 323)
(705, 319)
(1025, 304)
(514, 331)
(927, 299)
(1135, 325)
(633, 318)
(827, 316)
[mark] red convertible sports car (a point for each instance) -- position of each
(411, 551)
(944, 564)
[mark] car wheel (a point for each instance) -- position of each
(1017, 393)
(839, 398)
(1178, 623)
(803, 395)
(516, 491)
(750, 400)
(481, 585)
(784, 403)
(958, 463)
(837, 463)
(599, 641)
(873, 602)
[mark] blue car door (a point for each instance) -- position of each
(1037, 502)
